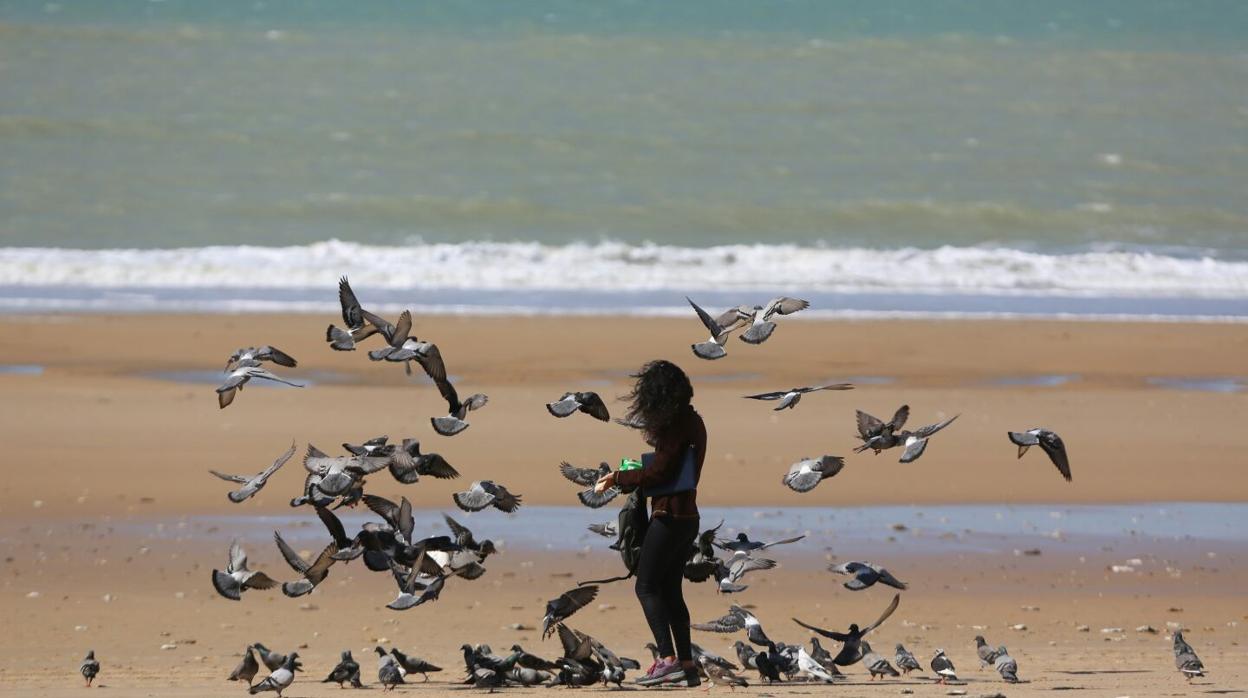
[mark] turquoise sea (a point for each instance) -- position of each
(1011, 153)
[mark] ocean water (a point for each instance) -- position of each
(1060, 157)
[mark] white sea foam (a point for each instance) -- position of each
(608, 266)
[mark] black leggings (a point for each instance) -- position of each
(660, 572)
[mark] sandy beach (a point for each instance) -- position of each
(110, 423)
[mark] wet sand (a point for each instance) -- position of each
(95, 439)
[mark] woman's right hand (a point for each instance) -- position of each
(604, 483)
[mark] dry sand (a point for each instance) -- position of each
(95, 441)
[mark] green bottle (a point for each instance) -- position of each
(630, 464)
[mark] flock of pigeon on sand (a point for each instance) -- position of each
(421, 566)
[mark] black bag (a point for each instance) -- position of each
(631, 528)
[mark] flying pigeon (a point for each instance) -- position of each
(789, 398)
(569, 602)
(485, 493)
(255, 483)
(737, 619)
(719, 328)
(360, 323)
(407, 464)
(865, 575)
(258, 354)
(312, 573)
(237, 578)
(760, 316)
(238, 377)
(587, 402)
(807, 473)
(1048, 441)
(851, 652)
(742, 545)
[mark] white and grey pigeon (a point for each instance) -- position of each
(875, 663)
(1185, 659)
(737, 619)
(360, 323)
(237, 578)
(280, 679)
(264, 353)
(389, 673)
(865, 574)
(1005, 665)
(879, 436)
(90, 667)
(760, 317)
(1048, 441)
(397, 336)
(943, 666)
(415, 587)
(789, 398)
(606, 530)
(255, 483)
(312, 573)
(588, 478)
(720, 328)
(485, 493)
(588, 402)
(906, 661)
(742, 545)
(729, 574)
(238, 377)
(807, 473)
(807, 665)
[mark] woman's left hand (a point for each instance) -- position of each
(605, 482)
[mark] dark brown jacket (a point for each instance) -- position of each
(669, 456)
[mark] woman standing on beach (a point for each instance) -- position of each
(661, 409)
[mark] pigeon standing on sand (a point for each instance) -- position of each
(906, 661)
(271, 659)
(987, 655)
(807, 473)
(824, 657)
(719, 675)
(943, 667)
(346, 670)
(414, 665)
(761, 325)
(360, 323)
(789, 398)
(258, 354)
(237, 378)
(485, 493)
(89, 668)
(253, 484)
(1185, 659)
(815, 670)
(876, 664)
(851, 650)
(237, 578)
(1048, 441)
(247, 668)
(1005, 665)
(569, 602)
(865, 575)
(388, 671)
(719, 328)
(587, 402)
(280, 679)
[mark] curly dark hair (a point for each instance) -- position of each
(660, 396)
